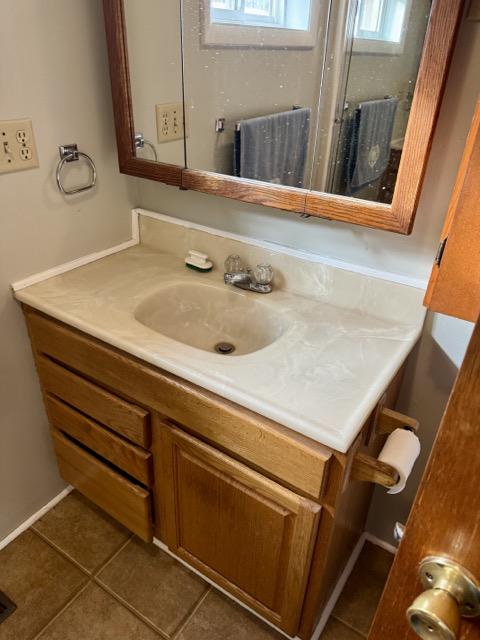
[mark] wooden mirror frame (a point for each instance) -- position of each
(397, 217)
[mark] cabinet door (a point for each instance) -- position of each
(454, 286)
(248, 534)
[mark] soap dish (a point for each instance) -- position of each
(198, 261)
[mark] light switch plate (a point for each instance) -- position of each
(169, 121)
(18, 150)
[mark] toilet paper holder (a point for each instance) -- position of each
(366, 468)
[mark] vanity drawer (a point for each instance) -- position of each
(132, 459)
(117, 414)
(288, 457)
(123, 500)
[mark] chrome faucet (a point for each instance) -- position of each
(258, 279)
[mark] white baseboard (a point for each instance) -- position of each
(380, 543)
(342, 581)
(36, 516)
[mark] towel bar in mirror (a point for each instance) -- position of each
(366, 80)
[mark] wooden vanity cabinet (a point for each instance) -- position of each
(247, 533)
(265, 513)
(126, 501)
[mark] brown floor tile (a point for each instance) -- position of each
(96, 615)
(39, 580)
(218, 618)
(336, 630)
(83, 531)
(155, 584)
(359, 599)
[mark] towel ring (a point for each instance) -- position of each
(141, 143)
(70, 153)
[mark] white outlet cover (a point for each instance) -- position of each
(18, 150)
(169, 121)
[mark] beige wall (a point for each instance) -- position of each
(431, 373)
(155, 62)
(53, 69)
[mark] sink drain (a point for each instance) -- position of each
(224, 348)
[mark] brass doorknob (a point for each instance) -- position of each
(452, 592)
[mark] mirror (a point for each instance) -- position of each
(302, 93)
(322, 107)
(153, 32)
(370, 92)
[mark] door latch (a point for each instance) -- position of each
(440, 250)
(451, 592)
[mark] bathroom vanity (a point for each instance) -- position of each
(257, 469)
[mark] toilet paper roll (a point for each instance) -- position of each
(401, 450)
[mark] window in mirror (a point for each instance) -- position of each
(260, 23)
(380, 25)
(284, 14)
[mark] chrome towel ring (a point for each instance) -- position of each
(140, 143)
(70, 153)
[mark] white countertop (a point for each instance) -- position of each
(321, 378)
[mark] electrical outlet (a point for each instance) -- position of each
(169, 121)
(17, 146)
(26, 153)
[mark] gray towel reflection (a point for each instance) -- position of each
(274, 148)
(370, 142)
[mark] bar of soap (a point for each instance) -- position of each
(198, 261)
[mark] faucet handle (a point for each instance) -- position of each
(233, 264)
(263, 273)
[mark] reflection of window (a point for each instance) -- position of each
(248, 11)
(380, 25)
(263, 23)
(286, 14)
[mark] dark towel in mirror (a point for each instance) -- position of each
(274, 148)
(371, 138)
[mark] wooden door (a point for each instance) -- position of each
(253, 537)
(445, 519)
(454, 286)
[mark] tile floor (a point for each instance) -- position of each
(79, 575)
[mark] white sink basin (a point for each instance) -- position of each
(206, 316)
